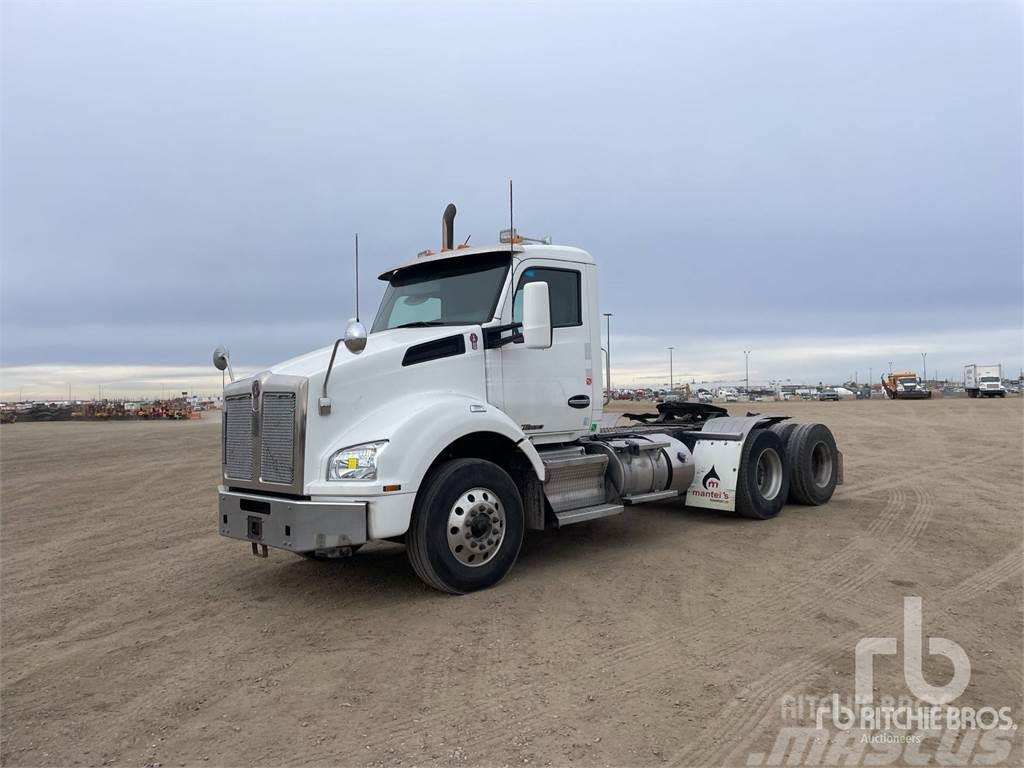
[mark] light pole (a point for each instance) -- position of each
(746, 365)
(924, 364)
(890, 367)
(608, 358)
(670, 387)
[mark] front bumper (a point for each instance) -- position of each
(913, 394)
(298, 526)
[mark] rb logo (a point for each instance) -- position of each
(936, 695)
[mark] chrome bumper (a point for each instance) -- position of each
(298, 526)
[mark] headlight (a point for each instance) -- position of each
(357, 462)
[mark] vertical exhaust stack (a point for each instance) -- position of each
(448, 228)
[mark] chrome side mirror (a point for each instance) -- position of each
(536, 316)
(355, 337)
(222, 361)
(355, 342)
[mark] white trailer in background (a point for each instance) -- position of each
(470, 413)
(984, 380)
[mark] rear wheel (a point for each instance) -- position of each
(784, 429)
(467, 526)
(763, 480)
(813, 464)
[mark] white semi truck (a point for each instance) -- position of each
(984, 380)
(469, 414)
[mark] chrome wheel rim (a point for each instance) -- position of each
(476, 527)
(769, 474)
(821, 465)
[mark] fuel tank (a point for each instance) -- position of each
(648, 463)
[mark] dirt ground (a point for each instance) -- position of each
(132, 634)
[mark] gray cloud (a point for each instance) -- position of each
(175, 175)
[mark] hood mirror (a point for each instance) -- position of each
(355, 342)
(222, 361)
(355, 337)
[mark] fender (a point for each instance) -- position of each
(717, 461)
(418, 427)
(441, 420)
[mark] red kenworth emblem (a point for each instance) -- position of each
(473, 340)
(256, 396)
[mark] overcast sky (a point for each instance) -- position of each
(830, 185)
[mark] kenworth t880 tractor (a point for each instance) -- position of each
(470, 413)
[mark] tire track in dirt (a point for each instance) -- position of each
(872, 487)
(747, 714)
(632, 655)
(779, 605)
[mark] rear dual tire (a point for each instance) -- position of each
(813, 461)
(763, 482)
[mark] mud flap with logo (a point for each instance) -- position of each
(717, 464)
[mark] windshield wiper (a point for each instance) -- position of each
(421, 324)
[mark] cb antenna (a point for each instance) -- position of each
(511, 222)
(357, 277)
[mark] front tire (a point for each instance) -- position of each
(467, 526)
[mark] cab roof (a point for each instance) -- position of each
(519, 250)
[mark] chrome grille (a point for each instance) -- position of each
(265, 450)
(238, 437)
(277, 437)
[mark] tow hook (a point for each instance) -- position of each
(259, 550)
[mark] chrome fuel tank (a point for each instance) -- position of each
(649, 463)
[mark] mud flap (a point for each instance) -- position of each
(717, 464)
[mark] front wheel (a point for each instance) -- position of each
(467, 526)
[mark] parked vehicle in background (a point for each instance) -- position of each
(828, 394)
(904, 386)
(704, 396)
(984, 380)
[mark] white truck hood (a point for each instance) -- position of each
(316, 362)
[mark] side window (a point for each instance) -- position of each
(563, 290)
(411, 309)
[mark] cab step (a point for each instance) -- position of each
(643, 498)
(587, 513)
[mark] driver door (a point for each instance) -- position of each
(548, 391)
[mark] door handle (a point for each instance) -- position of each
(579, 401)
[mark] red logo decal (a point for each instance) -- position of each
(472, 340)
(589, 381)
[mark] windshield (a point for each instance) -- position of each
(990, 378)
(460, 291)
(907, 380)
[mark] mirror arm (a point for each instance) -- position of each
(325, 401)
(494, 340)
